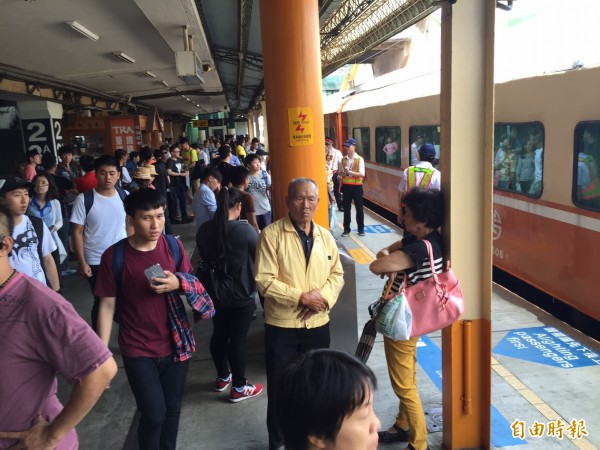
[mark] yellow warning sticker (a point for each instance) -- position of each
(360, 256)
(301, 126)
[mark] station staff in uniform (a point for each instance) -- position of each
(353, 173)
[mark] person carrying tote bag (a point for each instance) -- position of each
(423, 216)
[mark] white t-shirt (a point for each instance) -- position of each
(24, 256)
(103, 226)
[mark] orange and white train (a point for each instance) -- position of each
(547, 185)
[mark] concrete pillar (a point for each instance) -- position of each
(292, 69)
(467, 87)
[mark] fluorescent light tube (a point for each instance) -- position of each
(148, 74)
(83, 30)
(124, 56)
(164, 83)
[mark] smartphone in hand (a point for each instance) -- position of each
(155, 271)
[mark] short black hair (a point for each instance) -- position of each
(224, 151)
(250, 157)
(184, 140)
(145, 199)
(30, 154)
(315, 393)
(64, 150)
(87, 163)
(106, 160)
(238, 175)
(211, 171)
(48, 161)
(120, 154)
(426, 205)
(145, 154)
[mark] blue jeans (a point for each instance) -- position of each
(156, 384)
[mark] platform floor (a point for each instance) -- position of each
(525, 387)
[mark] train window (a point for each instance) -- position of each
(387, 145)
(586, 185)
(330, 133)
(363, 138)
(419, 135)
(519, 157)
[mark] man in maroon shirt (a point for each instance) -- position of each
(145, 339)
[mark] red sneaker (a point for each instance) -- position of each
(244, 393)
(222, 383)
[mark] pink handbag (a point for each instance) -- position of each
(436, 302)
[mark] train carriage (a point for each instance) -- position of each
(547, 190)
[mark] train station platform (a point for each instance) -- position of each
(545, 375)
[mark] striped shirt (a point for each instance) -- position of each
(417, 250)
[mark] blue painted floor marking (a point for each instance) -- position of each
(546, 345)
(429, 356)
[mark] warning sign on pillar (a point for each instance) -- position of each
(301, 126)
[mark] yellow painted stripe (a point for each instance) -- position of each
(361, 244)
(360, 256)
(535, 401)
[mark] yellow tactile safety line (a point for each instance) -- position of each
(360, 244)
(537, 402)
(360, 256)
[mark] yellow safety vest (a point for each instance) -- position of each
(411, 182)
(357, 181)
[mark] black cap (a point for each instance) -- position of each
(10, 183)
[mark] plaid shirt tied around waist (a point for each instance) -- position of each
(202, 306)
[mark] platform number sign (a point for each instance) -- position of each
(42, 135)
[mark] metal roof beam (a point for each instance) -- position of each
(384, 19)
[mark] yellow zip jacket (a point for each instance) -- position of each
(282, 274)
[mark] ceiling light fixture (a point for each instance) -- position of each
(124, 56)
(148, 74)
(83, 30)
(164, 83)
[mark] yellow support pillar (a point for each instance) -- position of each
(467, 117)
(292, 72)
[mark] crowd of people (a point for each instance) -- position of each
(118, 225)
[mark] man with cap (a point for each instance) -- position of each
(422, 175)
(335, 164)
(353, 173)
(33, 244)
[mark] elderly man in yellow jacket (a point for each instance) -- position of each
(298, 271)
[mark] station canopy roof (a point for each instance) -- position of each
(123, 51)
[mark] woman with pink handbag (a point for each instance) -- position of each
(423, 216)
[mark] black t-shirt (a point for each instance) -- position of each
(417, 251)
(160, 181)
(175, 166)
